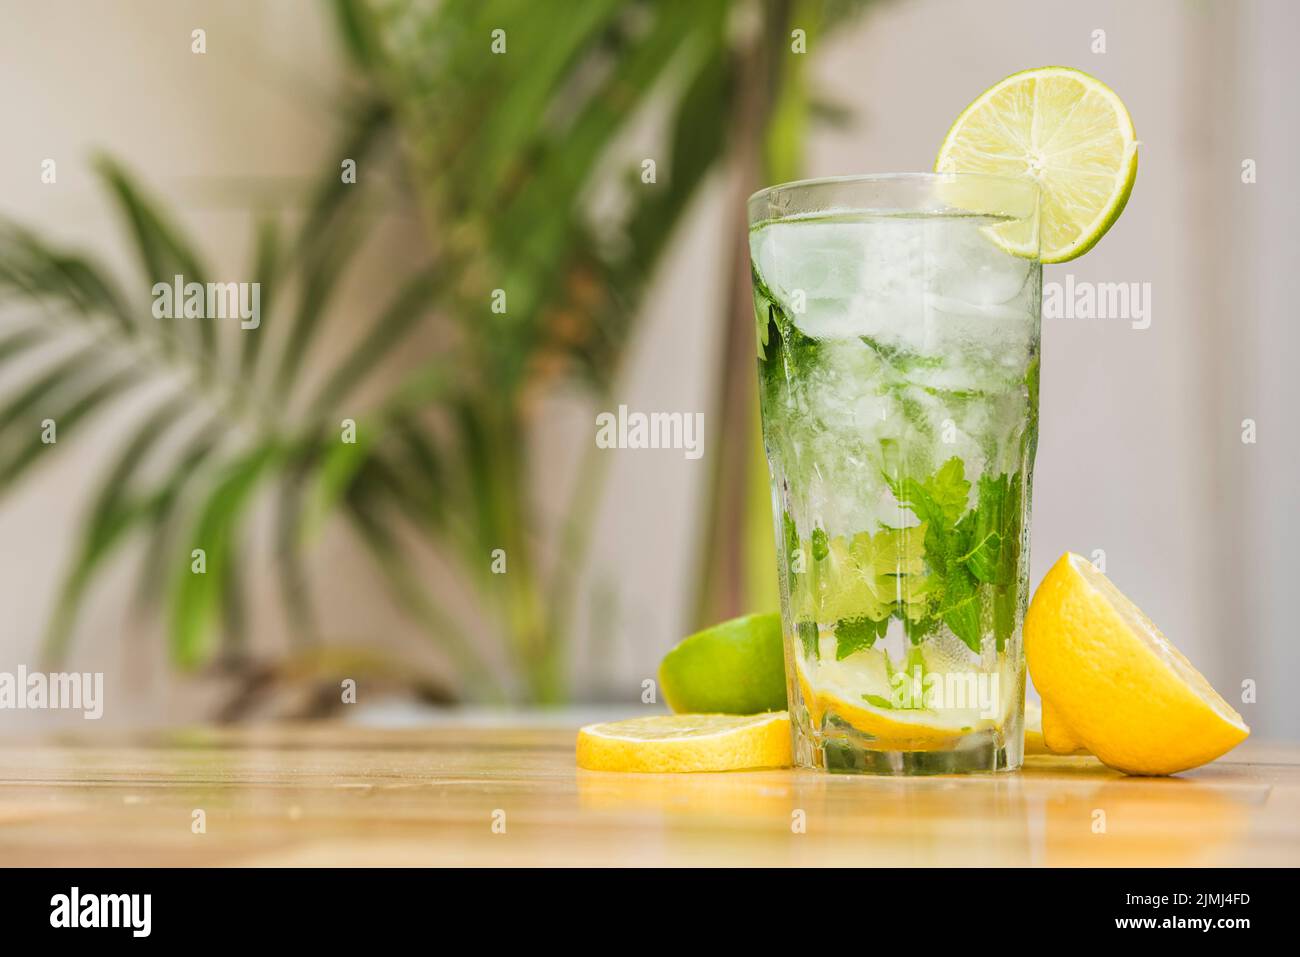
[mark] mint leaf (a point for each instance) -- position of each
(767, 314)
(821, 546)
(949, 489)
(899, 358)
(1012, 530)
(987, 526)
(939, 502)
(790, 538)
(856, 634)
(981, 557)
(1006, 596)
(808, 636)
(919, 629)
(965, 550)
(915, 496)
(878, 701)
(790, 532)
(961, 608)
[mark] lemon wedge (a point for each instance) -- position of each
(1113, 684)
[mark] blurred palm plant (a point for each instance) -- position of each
(515, 159)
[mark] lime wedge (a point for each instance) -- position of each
(1067, 130)
(736, 667)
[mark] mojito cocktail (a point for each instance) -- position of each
(898, 345)
(898, 332)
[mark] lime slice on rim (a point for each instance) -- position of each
(1067, 130)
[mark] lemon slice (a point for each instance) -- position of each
(1112, 683)
(858, 691)
(687, 742)
(1068, 131)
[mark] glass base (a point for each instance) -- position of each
(843, 750)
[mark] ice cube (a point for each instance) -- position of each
(964, 265)
(810, 260)
(841, 280)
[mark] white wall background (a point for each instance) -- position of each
(1140, 451)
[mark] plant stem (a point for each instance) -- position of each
(720, 582)
(579, 521)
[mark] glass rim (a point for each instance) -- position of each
(765, 198)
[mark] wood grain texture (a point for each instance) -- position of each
(342, 795)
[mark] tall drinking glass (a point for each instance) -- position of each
(898, 333)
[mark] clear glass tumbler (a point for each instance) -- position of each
(898, 362)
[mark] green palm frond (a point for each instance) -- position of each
(164, 252)
(34, 270)
(526, 183)
(233, 440)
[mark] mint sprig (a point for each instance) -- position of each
(966, 548)
(958, 567)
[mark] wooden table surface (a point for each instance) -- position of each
(345, 795)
